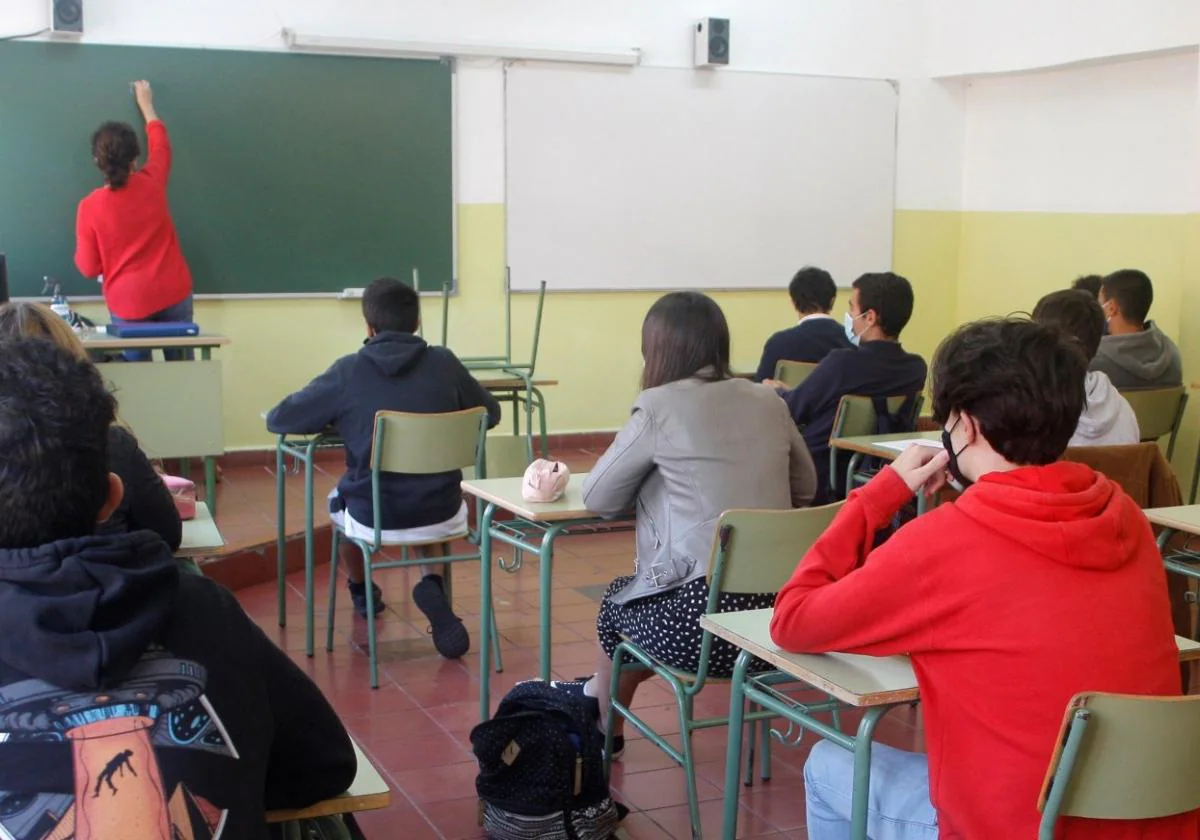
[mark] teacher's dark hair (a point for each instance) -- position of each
(391, 306)
(115, 148)
(684, 334)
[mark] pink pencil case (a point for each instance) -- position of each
(183, 492)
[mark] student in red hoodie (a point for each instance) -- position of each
(124, 233)
(1041, 581)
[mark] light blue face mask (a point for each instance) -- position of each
(848, 323)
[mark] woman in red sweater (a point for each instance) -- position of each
(123, 231)
(1041, 581)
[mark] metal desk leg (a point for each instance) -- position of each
(545, 573)
(862, 771)
(210, 484)
(485, 611)
(733, 757)
(280, 532)
(308, 548)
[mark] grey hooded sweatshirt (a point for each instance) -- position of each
(1144, 360)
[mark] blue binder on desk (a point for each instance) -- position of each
(154, 329)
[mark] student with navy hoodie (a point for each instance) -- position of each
(131, 696)
(880, 307)
(394, 371)
(816, 334)
(1041, 581)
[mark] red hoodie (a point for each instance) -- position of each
(1033, 586)
(127, 235)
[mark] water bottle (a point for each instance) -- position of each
(58, 301)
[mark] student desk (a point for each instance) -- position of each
(874, 683)
(876, 446)
(1175, 520)
(174, 408)
(368, 792)
(519, 389)
(201, 537)
(534, 528)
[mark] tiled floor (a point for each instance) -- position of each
(416, 725)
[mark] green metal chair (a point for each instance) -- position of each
(416, 444)
(856, 418)
(1123, 757)
(754, 551)
(1159, 414)
(791, 373)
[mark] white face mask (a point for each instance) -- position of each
(848, 323)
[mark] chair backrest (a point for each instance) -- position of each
(507, 456)
(1159, 412)
(856, 415)
(757, 550)
(421, 444)
(1124, 757)
(792, 373)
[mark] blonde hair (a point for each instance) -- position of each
(23, 319)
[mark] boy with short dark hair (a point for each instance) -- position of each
(394, 371)
(816, 334)
(1107, 418)
(1042, 580)
(1135, 354)
(130, 695)
(880, 308)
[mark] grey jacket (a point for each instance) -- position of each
(690, 451)
(1140, 361)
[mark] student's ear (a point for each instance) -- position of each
(116, 492)
(970, 427)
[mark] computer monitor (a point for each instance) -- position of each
(3, 279)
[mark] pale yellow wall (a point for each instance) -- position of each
(590, 342)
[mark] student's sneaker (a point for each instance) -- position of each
(575, 687)
(450, 636)
(358, 596)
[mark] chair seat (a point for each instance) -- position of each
(457, 535)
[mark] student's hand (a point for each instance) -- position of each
(774, 383)
(145, 99)
(922, 467)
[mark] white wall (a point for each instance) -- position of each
(962, 37)
(1114, 138)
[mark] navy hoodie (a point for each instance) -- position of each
(392, 372)
(809, 341)
(874, 369)
(133, 695)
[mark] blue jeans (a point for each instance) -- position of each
(898, 807)
(181, 311)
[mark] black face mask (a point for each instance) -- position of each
(953, 467)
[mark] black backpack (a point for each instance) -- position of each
(541, 769)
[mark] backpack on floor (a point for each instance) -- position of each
(541, 769)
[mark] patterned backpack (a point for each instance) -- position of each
(541, 769)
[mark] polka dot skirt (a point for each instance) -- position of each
(667, 626)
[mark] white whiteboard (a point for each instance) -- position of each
(656, 178)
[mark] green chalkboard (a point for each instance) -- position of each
(292, 173)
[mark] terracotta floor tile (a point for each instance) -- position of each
(456, 819)
(437, 782)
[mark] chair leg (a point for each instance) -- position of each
(689, 760)
(752, 725)
(371, 649)
(334, 536)
(764, 770)
(495, 639)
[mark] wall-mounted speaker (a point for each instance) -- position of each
(712, 42)
(66, 17)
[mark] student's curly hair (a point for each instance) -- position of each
(54, 419)
(115, 148)
(1022, 381)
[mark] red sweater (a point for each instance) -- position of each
(127, 236)
(1033, 586)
